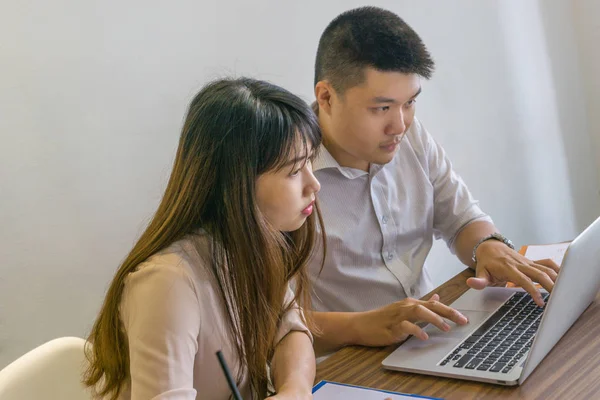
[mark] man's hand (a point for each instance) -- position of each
(395, 322)
(498, 263)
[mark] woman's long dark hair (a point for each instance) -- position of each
(235, 131)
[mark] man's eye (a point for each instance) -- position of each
(381, 109)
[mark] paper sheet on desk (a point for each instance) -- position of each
(337, 391)
(555, 252)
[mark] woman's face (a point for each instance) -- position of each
(286, 197)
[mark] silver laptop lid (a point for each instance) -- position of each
(572, 294)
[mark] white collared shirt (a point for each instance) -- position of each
(380, 224)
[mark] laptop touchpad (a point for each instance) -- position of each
(475, 319)
(440, 341)
(488, 299)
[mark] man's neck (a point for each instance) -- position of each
(343, 158)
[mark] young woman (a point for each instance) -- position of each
(211, 271)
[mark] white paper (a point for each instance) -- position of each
(333, 391)
(555, 252)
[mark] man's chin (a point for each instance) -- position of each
(383, 158)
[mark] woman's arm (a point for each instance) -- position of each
(293, 367)
(161, 317)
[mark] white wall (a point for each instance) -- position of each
(587, 27)
(92, 97)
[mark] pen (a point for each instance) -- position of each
(232, 385)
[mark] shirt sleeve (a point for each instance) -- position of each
(454, 206)
(292, 320)
(161, 316)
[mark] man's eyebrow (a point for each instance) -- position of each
(389, 100)
(418, 92)
(380, 99)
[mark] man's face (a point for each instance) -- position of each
(366, 123)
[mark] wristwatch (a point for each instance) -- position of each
(494, 236)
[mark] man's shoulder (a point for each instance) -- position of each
(416, 144)
(417, 136)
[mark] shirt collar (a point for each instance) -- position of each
(326, 161)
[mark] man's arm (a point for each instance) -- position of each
(336, 331)
(498, 263)
(467, 239)
(454, 207)
(381, 327)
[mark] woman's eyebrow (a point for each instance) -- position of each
(295, 161)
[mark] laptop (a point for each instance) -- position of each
(508, 335)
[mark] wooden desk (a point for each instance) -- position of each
(570, 371)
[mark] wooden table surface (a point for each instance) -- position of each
(570, 371)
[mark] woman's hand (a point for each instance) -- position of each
(287, 392)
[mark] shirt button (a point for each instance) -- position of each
(390, 256)
(384, 220)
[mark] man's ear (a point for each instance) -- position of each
(324, 93)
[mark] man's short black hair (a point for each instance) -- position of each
(369, 37)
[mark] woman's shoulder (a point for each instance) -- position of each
(187, 259)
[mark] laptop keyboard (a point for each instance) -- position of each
(503, 339)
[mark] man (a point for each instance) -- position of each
(387, 189)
